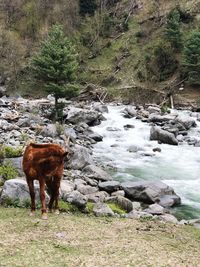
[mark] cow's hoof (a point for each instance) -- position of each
(32, 213)
(57, 212)
(44, 216)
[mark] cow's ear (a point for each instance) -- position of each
(65, 154)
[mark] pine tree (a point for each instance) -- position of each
(172, 30)
(191, 58)
(87, 7)
(56, 64)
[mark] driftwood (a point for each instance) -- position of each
(93, 93)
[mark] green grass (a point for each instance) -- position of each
(79, 240)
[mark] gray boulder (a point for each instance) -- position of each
(160, 118)
(168, 218)
(97, 173)
(109, 186)
(153, 109)
(134, 214)
(80, 158)
(129, 112)
(66, 187)
(49, 131)
(78, 115)
(99, 196)
(16, 191)
(155, 209)
(86, 189)
(123, 202)
(162, 136)
(101, 209)
(151, 192)
(77, 199)
(96, 137)
(186, 122)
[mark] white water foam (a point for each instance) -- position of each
(177, 166)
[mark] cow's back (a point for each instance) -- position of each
(43, 160)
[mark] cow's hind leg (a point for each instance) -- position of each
(42, 198)
(56, 193)
(51, 193)
(32, 194)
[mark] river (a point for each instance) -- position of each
(177, 166)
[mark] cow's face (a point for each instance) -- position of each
(68, 153)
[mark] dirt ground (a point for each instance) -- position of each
(85, 241)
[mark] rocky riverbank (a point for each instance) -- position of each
(85, 181)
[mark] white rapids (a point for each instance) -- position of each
(177, 166)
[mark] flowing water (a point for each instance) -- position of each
(177, 166)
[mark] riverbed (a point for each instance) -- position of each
(129, 155)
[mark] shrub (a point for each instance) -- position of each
(7, 171)
(10, 152)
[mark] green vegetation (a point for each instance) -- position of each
(67, 207)
(172, 30)
(7, 171)
(87, 7)
(118, 45)
(56, 65)
(10, 152)
(191, 58)
(116, 208)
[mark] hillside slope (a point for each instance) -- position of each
(117, 44)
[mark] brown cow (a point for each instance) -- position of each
(45, 163)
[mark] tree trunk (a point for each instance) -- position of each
(56, 108)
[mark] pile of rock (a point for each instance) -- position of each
(167, 128)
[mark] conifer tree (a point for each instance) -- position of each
(56, 64)
(87, 7)
(172, 30)
(191, 58)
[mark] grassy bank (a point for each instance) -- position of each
(79, 240)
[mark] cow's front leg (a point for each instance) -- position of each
(42, 199)
(32, 194)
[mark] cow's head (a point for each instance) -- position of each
(68, 151)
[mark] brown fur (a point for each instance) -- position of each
(45, 163)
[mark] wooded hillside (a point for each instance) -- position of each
(120, 43)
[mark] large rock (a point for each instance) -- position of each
(109, 186)
(78, 115)
(151, 192)
(125, 203)
(97, 173)
(80, 158)
(86, 189)
(129, 112)
(186, 122)
(159, 118)
(155, 209)
(66, 187)
(162, 136)
(101, 209)
(16, 191)
(97, 197)
(50, 130)
(77, 199)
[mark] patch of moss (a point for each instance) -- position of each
(67, 207)
(90, 207)
(116, 208)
